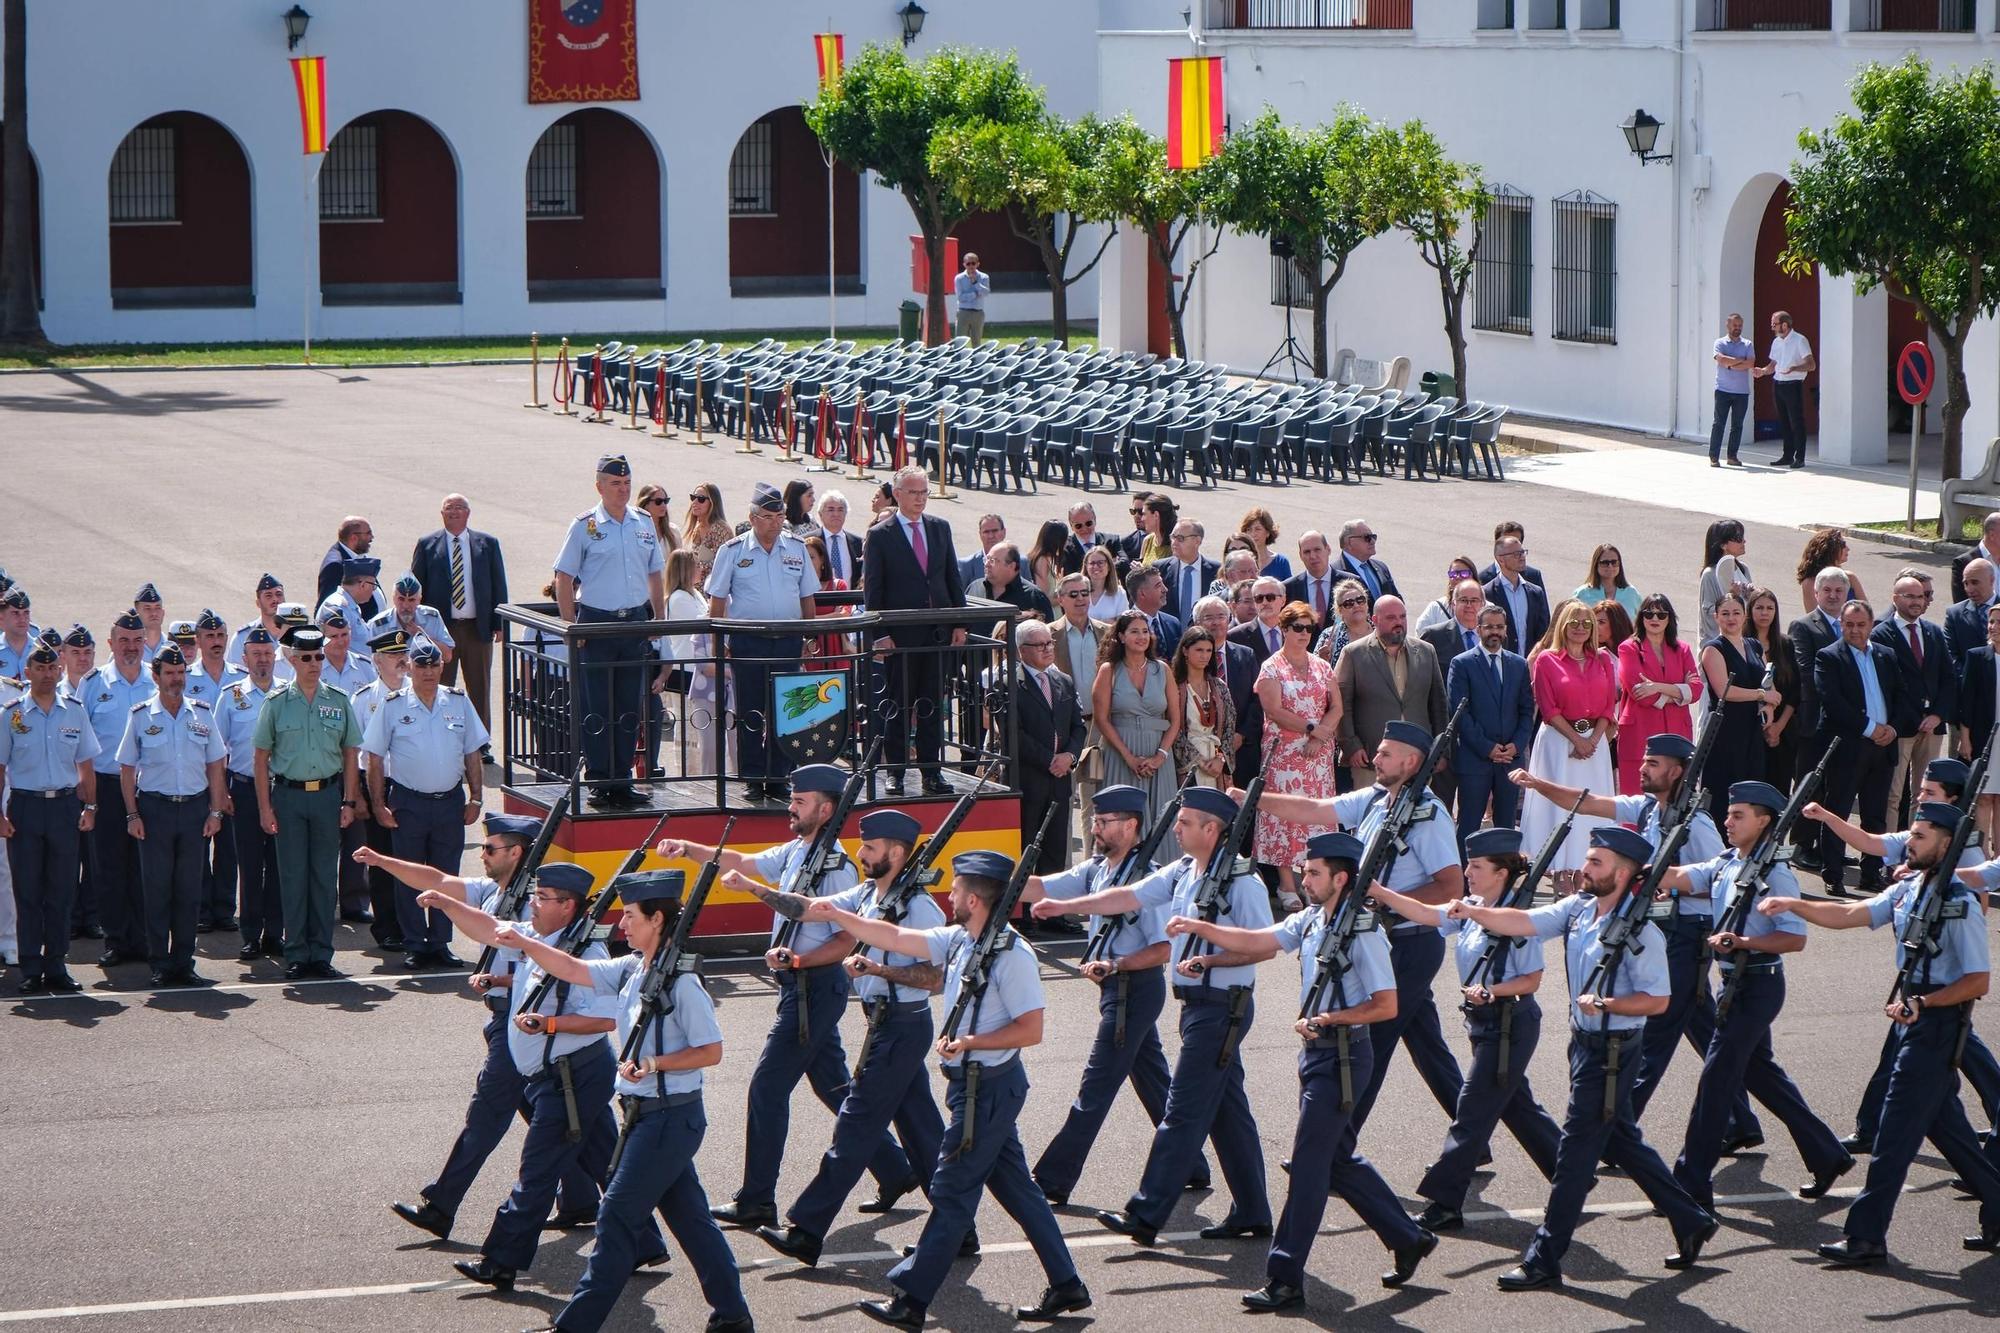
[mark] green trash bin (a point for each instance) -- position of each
(1439, 384)
(909, 321)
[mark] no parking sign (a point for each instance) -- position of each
(1916, 369)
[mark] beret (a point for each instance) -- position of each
(1948, 772)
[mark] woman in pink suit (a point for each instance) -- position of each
(1657, 683)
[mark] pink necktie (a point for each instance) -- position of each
(917, 545)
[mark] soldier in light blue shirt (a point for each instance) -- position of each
(152, 619)
(407, 612)
(108, 695)
(356, 597)
(18, 634)
(345, 669)
(209, 673)
(270, 596)
(259, 913)
(1604, 1049)
(46, 748)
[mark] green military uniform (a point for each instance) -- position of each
(308, 740)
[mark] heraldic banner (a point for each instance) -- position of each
(582, 51)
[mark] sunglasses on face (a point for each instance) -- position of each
(1349, 603)
(310, 657)
(1652, 615)
(1612, 563)
(491, 848)
(697, 498)
(1268, 597)
(1085, 526)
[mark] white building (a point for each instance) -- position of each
(1606, 281)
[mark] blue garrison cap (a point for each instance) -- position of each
(891, 824)
(425, 653)
(1669, 746)
(333, 616)
(1948, 772)
(1941, 813)
(513, 826)
(208, 620)
(268, 582)
(257, 634)
(169, 656)
(128, 620)
(359, 567)
(1334, 847)
(1624, 842)
(767, 497)
(1756, 793)
(16, 597)
(825, 778)
(44, 653)
(1409, 733)
(564, 877)
(79, 637)
(651, 886)
(1209, 801)
(1119, 799)
(390, 641)
(50, 635)
(147, 593)
(613, 465)
(987, 865)
(408, 585)
(1493, 842)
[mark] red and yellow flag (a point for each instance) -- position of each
(1194, 111)
(831, 49)
(309, 72)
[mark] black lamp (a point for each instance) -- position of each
(913, 15)
(296, 20)
(1642, 132)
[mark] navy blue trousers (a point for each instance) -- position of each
(43, 856)
(498, 1095)
(84, 913)
(1480, 784)
(1416, 956)
(822, 1062)
(121, 904)
(656, 1173)
(170, 861)
(1490, 1099)
(1205, 1102)
(430, 831)
(994, 1163)
(1322, 1150)
(753, 660)
(1977, 1065)
(218, 883)
(259, 912)
(892, 1087)
(612, 677)
(1690, 1013)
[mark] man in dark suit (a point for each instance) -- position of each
(464, 579)
(1987, 550)
(1862, 705)
(1965, 619)
(352, 538)
(1083, 533)
(908, 564)
(1358, 543)
(843, 548)
(1930, 683)
(1313, 585)
(1498, 723)
(1133, 542)
(1816, 629)
(1148, 592)
(1460, 634)
(1526, 605)
(1269, 598)
(1187, 572)
(1050, 735)
(1505, 528)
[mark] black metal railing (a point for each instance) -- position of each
(1391, 15)
(1503, 274)
(1585, 267)
(1764, 16)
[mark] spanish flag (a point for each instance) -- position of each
(831, 49)
(309, 72)
(1194, 111)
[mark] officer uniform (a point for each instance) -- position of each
(1504, 1033)
(424, 623)
(993, 1161)
(148, 595)
(342, 601)
(613, 561)
(258, 914)
(1415, 948)
(218, 881)
(1127, 1045)
(804, 1040)
(1603, 1046)
(1739, 1055)
(234, 653)
(108, 697)
(758, 584)
(171, 752)
(656, 1171)
(424, 749)
(10, 690)
(13, 659)
(381, 887)
(1205, 1100)
(890, 1083)
(85, 920)
(307, 740)
(41, 753)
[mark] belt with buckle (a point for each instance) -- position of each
(176, 800)
(398, 789)
(52, 794)
(629, 613)
(306, 784)
(647, 1105)
(1206, 995)
(898, 1009)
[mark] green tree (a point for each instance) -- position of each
(1164, 205)
(21, 316)
(1441, 206)
(1321, 189)
(884, 112)
(1042, 176)
(1901, 194)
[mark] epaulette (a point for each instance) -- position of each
(141, 704)
(202, 704)
(584, 517)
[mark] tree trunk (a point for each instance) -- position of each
(21, 319)
(930, 223)
(1322, 298)
(1957, 398)
(1053, 263)
(1165, 254)
(1454, 330)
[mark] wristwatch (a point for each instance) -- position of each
(91, 808)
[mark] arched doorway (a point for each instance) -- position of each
(1775, 289)
(777, 212)
(180, 216)
(34, 224)
(388, 214)
(593, 211)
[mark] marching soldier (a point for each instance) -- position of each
(1739, 1055)
(1922, 1099)
(109, 695)
(890, 1083)
(804, 1041)
(46, 748)
(259, 912)
(270, 595)
(1132, 990)
(390, 654)
(209, 674)
(170, 768)
(1605, 1031)
(428, 736)
(1205, 1099)
(984, 1152)
(407, 612)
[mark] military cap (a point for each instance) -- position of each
(1209, 801)
(79, 637)
(651, 886)
(513, 826)
(51, 636)
(825, 778)
(1756, 793)
(983, 865)
(613, 465)
(390, 641)
(425, 653)
(1334, 847)
(147, 593)
(408, 585)
(564, 877)
(170, 655)
(181, 631)
(257, 634)
(1669, 746)
(767, 497)
(359, 567)
(44, 653)
(268, 582)
(1493, 842)
(1941, 813)
(1408, 733)
(333, 617)
(891, 824)
(208, 620)
(292, 613)
(128, 620)
(16, 598)
(304, 639)
(1622, 841)
(1948, 773)
(1119, 799)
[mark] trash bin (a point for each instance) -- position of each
(909, 322)
(1439, 384)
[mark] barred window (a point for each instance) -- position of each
(1586, 268)
(552, 174)
(348, 185)
(1503, 276)
(142, 177)
(751, 173)
(1293, 280)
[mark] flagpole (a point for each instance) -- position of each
(831, 264)
(305, 258)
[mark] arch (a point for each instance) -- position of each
(388, 213)
(34, 224)
(595, 197)
(180, 229)
(1775, 289)
(776, 197)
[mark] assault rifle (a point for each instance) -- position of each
(1519, 894)
(578, 934)
(1751, 881)
(1935, 903)
(1136, 865)
(821, 856)
(515, 895)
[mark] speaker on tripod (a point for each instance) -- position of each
(1289, 354)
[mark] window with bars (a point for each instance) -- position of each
(1585, 265)
(142, 177)
(348, 185)
(1503, 275)
(1292, 279)
(552, 174)
(751, 173)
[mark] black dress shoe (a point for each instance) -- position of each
(1987, 1242)
(250, 951)
(273, 947)
(295, 972)
(415, 962)
(113, 957)
(1197, 1185)
(893, 787)
(1852, 1253)
(446, 958)
(967, 1248)
(1859, 1143)
(360, 916)
(498, 1276)
(166, 979)
(793, 1242)
(1437, 1217)
(1068, 1298)
(204, 925)
(1056, 1198)
(936, 787)
(425, 1216)
(887, 1196)
(654, 1261)
(1235, 1231)
(777, 791)
(62, 983)
(324, 971)
(1741, 1143)
(899, 1313)
(1689, 1252)
(1822, 1181)
(1273, 1297)
(226, 923)
(1408, 1258)
(90, 932)
(574, 1220)
(33, 986)
(187, 976)
(1525, 1278)
(745, 1215)
(1127, 1225)
(717, 1324)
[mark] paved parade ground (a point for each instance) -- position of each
(223, 1159)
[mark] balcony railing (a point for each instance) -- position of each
(1330, 15)
(1764, 16)
(1914, 16)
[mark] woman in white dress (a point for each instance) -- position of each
(684, 689)
(1576, 689)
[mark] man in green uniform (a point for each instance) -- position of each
(308, 790)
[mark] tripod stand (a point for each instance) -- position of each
(1289, 354)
